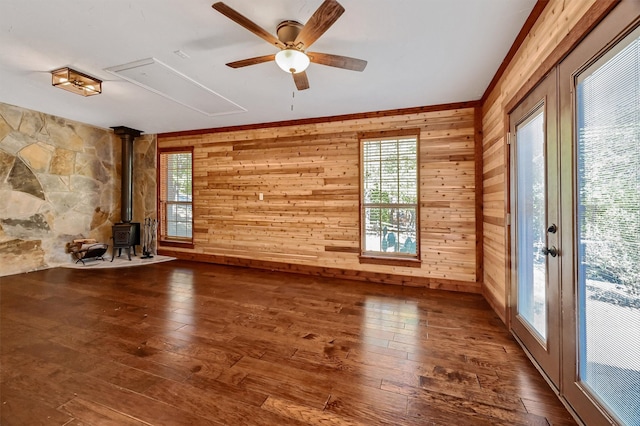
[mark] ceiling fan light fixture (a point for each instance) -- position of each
(76, 82)
(292, 60)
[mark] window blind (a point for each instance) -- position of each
(176, 192)
(390, 196)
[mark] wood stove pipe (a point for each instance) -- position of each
(127, 135)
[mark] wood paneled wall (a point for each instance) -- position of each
(551, 29)
(309, 175)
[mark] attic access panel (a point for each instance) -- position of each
(157, 77)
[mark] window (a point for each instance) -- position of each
(389, 195)
(176, 202)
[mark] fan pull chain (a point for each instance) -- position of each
(293, 96)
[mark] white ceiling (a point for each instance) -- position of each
(420, 52)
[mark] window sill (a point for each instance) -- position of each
(177, 243)
(391, 261)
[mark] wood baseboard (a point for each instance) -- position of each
(496, 306)
(403, 280)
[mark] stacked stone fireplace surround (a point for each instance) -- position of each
(61, 180)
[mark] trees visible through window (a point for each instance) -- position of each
(176, 177)
(389, 196)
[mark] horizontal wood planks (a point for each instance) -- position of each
(556, 21)
(189, 343)
(309, 177)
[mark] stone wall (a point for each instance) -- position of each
(60, 180)
(144, 178)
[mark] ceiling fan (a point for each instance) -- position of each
(293, 40)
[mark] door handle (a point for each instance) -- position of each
(550, 251)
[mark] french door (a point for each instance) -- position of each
(575, 223)
(535, 280)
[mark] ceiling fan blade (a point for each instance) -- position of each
(320, 21)
(248, 24)
(301, 80)
(337, 61)
(251, 61)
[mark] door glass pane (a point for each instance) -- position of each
(608, 166)
(531, 220)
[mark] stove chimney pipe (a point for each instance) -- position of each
(127, 135)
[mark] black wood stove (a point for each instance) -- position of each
(125, 236)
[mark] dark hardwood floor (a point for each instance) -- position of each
(182, 343)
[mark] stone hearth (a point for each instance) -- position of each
(60, 180)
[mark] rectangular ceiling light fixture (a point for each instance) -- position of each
(76, 82)
(153, 75)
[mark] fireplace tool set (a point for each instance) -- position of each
(149, 238)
